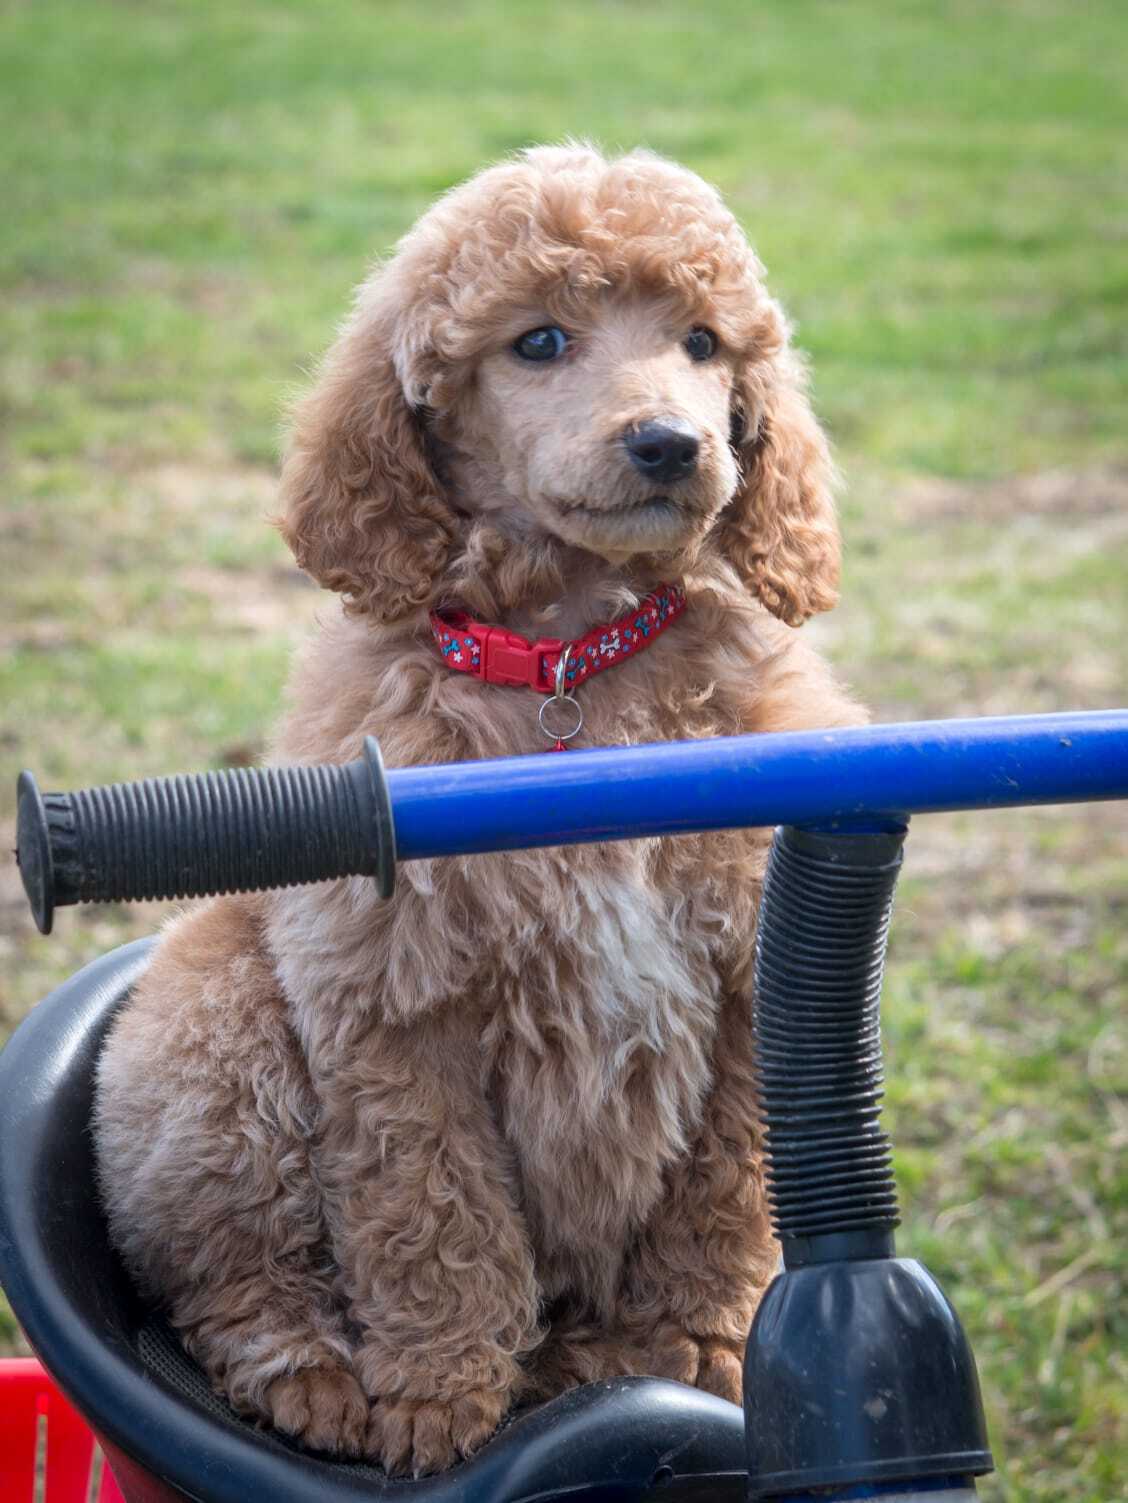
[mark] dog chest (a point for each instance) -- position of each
(598, 1050)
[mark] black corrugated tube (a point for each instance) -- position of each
(820, 953)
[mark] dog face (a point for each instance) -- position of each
(612, 432)
(564, 349)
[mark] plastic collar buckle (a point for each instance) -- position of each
(509, 659)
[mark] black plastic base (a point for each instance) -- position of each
(859, 1372)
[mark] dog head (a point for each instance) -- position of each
(571, 352)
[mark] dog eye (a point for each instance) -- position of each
(701, 344)
(541, 344)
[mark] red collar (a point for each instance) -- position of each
(503, 657)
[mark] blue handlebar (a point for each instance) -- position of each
(877, 773)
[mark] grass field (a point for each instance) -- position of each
(938, 191)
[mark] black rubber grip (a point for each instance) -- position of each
(242, 830)
(820, 953)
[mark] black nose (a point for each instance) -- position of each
(663, 451)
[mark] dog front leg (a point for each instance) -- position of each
(707, 1253)
(434, 1251)
(204, 1120)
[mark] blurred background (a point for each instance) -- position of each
(940, 194)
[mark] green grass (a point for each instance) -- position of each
(937, 189)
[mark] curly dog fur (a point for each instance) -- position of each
(395, 1166)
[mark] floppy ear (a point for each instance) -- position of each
(363, 512)
(780, 529)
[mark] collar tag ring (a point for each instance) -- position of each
(561, 697)
(560, 692)
(561, 735)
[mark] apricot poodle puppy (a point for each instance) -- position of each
(396, 1166)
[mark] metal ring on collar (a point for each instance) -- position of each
(561, 669)
(562, 699)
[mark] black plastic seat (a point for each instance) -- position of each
(166, 1434)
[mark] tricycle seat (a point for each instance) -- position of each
(166, 1434)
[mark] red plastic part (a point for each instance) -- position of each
(26, 1393)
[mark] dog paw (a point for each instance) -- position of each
(323, 1407)
(720, 1368)
(567, 1360)
(416, 1436)
(712, 1363)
